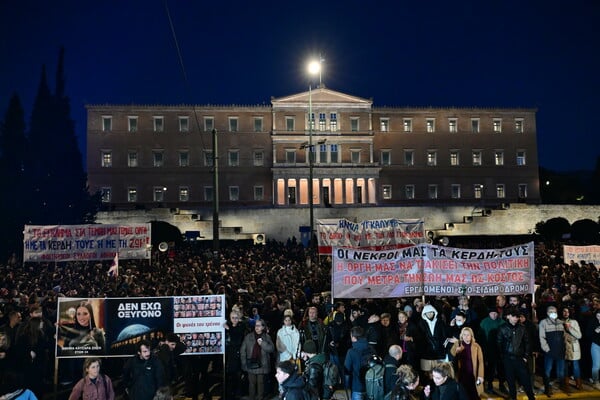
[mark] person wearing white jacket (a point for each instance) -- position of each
(572, 348)
(288, 339)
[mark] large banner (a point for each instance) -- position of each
(432, 270)
(589, 254)
(86, 242)
(112, 326)
(377, 234)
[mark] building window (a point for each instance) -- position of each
(106, 124)
(184, 158)
(454, 158)
(132, 159)
(453, 125)
(432, 191)
(407, 124)
(409, 192)
(208, 193)
(159, 124)
(234, 193)
(500, 193)
(290, 156)
(499, 157)
(258, 124)
(107, 159)
(522, 190)
(290, 123)
(233, 124)
(159, 193)
(518, 125)
(259, 193)
(333, 122)
(409, 157)
(354, 126)
(455, 189)
(384, 124)
(334, 153)
(386, 157)
(184, 124)
(322, 153)
(158, 157)
(233, 158)
(131, 195)
(430, 125)
(476, 157)
(355, 156)
(311, 121)
(521, 157)
(478, 191)
(431, 158)
(322, 121)
(184, 193)
(209, 124)
(258, 158)
(132, 124)
(208, 158)
(497, 125)
(106, 194)
(386, 192)
(475, 125)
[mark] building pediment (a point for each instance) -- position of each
(321, 97)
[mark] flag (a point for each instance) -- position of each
(114, 268)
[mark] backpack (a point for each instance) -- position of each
(331, 375)
(365, 359)
(374, 379)
(309, 393)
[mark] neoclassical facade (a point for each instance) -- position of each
(142, 157)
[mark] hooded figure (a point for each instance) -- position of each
(432, 338)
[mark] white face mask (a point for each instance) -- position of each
(553, 315)
(459, 323)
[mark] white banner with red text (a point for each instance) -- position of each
(376, 234)
(86, 242)
(588, 254)
(428, 269)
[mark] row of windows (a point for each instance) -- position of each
(455, 191)
(159, 193)
(326, 154)
(430, 125)
(326, 122)
(158, 123)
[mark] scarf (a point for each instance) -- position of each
(256, 350)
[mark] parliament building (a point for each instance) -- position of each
(359, 155)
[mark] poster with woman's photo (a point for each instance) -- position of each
(80, 328)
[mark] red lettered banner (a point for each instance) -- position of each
(432, 270)
(589, 254)
(376, 234)
(86, 242)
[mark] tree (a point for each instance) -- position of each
(554, 228)
(585, 231)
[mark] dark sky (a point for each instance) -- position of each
(542, 54)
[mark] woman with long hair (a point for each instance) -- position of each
(469, 358)
(288, 339)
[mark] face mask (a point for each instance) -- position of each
(553, 315)
(459, 323)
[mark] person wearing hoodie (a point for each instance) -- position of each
(432, 339)
(552, 342)
(354, 362)
(291, 383)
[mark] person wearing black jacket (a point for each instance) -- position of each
(143, 374)
(292, 384)
(515, 349)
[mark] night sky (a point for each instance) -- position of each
(542, 54)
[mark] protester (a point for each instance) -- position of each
(143, 373)
(469, 359)
(94, 385)
(256, 351)
(446, 388)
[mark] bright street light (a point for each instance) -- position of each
(314, 67)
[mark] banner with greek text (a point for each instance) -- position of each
(376, 234)
(589, 254)
(427, 269)
(111, 327)
(86, 242)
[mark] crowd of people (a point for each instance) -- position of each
(281, 323)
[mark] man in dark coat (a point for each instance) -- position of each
(143, 374)
(432, 339)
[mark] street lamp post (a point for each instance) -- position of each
(314, 67)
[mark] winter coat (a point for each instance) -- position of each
(552, 337)
(352, 364)
(476, 360)
(572, 336)
(87, 390)
(513, 341)
(143, 377)
(267, 347)
(431, 342)
(288, 342)
(449, 390)
(293, 388)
